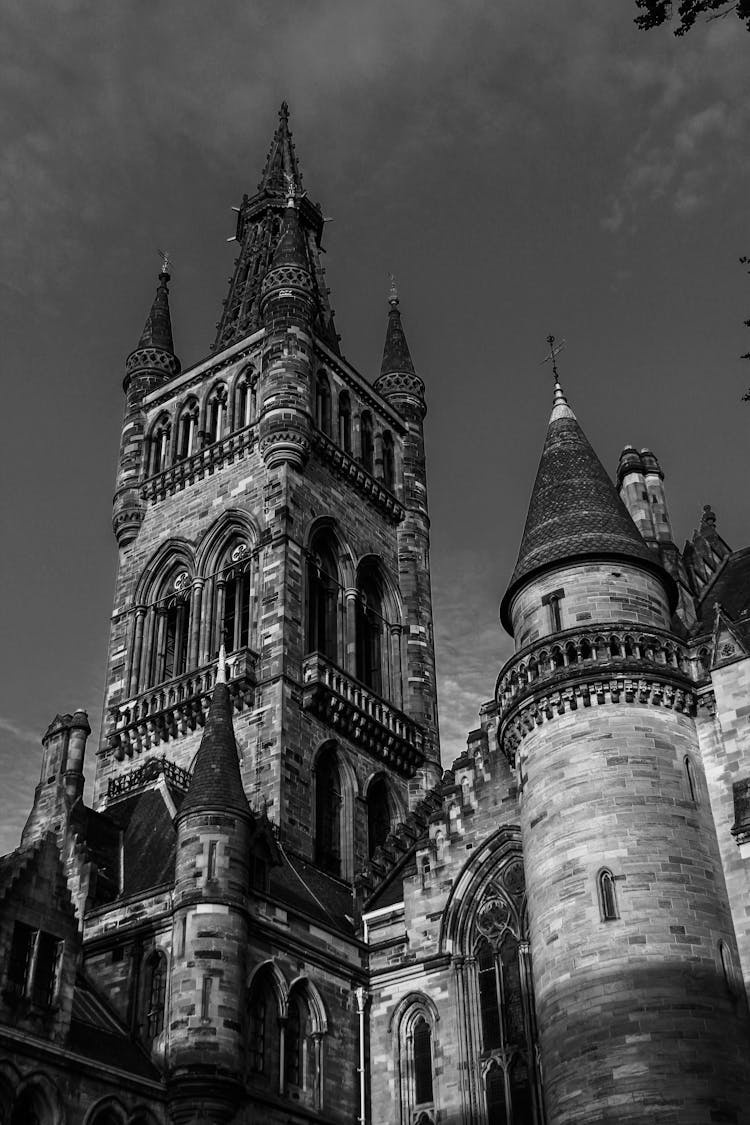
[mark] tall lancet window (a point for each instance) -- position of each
(389, 462)
(366, 441)
(187, 433)
(323, 403)
(372, 629)
(345, 421)
(414, 1038)
(234, 594)
(323, 596)
(328, 811)
(158, 451)
(246, 407)
(217, 414)
(505, 1001)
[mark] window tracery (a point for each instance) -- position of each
(187, 431)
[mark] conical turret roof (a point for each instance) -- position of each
(575, 511)
(290, 249)
(216, 784)
(396, 355)
(157, 331)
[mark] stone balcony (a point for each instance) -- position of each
(172, 709)
(361, 715)
(618, 650)
(206, 461)
(577, 666)
(367, 485)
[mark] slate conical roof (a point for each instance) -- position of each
(575, 511)
(157, 331)
(290, 249)
(396, 355)
(216, 784)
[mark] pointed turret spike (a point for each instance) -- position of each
(221, 671)
(157, 331)
(396, 355)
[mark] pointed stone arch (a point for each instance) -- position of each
(231, 523)
(170, 553)
(488, 862)
(37, 1092)
(108, 1110)
(271, 971)
(338, 836)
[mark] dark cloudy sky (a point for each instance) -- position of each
(522, 167)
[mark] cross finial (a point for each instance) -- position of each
(166, 261)
(393, 295)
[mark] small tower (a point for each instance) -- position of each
(400, 385)
(149, 366)
(629, 920)
(205, 1048)
(61, 780)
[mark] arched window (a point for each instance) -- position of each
(378, 814)
(263, 1044)
(302, 1049)
(494, 1086)
(389, 463)
(187, 430)
(234, 595)
(217, 413)
(415, 1040)
(158, 449)
(32, 1107)
(366, 443)
(490, 996)
(345, 422)
(328, 802)
(323, 403)
(422, 1040)
(607, 896)
(370, 629)
(614, 646)
(323, 596)
(154, 993)
(246, 402)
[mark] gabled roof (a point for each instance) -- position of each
(575, 511)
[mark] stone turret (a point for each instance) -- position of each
(61, 780)
(205, 1050)
(400, 385)
(627, 905)
(149, 366)
(286, 384)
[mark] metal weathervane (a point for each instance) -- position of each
(166, 261)
(554, 351)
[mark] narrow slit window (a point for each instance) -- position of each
(607, 896)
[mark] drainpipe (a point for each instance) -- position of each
(361, 995)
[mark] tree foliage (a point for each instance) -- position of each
(657, 12)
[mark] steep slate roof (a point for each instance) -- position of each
(290, 250)
(575, 511)
(216, 782)
(282, 158)
(96, 1032)
(729, 586)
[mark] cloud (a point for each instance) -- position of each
(18, 731)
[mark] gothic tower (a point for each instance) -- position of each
(630, 926)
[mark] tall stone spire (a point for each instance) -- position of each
(575, 511)
(260, 224)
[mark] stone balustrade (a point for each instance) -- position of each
(618, 650)
(348, 467)
(169, 710)
(361, 715)
(200, 464)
